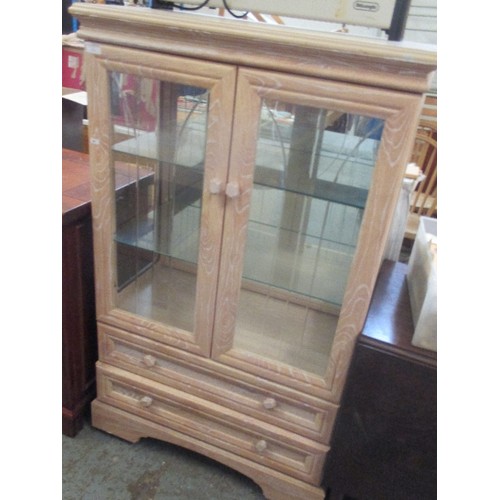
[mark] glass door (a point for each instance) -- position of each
(312, 175)
(159, 134)
(168, 122)
(293, 228)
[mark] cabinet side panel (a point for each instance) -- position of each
(101, 181)
(395, 150)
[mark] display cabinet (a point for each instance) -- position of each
(263, 165)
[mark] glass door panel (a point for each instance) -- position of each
(159, 132)
(312, 175)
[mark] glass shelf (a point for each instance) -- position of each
(294, 260)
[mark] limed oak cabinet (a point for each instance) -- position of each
(263, 166)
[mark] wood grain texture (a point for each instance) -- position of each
(230, 430)
(79, 333)
(220, 81)
(400, 113)
(394, 152)
(295, 411)
(102, 190)
(329, 55)
(168, 383)
(276, 486)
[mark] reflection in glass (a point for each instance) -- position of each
(312, 176)
(159, 134)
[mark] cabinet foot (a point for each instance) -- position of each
(274, 485)
(72, 422)
(107, 420)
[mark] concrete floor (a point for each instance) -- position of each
(99, 466)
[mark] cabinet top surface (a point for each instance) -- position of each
(389, 323)
(278, 37)
(75, 185)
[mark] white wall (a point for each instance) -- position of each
(421, 25)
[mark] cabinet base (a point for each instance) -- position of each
(72, 422)
(274, 485)
(74, 416)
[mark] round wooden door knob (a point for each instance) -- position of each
(261, 445)
(215, 186)
(269, 403)
(146, 401)
(232, 190)
(149, 360)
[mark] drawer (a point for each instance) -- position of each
(229, 430)
(287, 408)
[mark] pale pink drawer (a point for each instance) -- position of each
(232, 431)
(287, 408)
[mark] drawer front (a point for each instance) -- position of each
(286, 408)
(237, 433)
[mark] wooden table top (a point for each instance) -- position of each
(75, 185)
(389, 324)
(76, 190)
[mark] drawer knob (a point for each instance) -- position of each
(146, 401)
(261, 445)
(149, 360)
(215, 186)
(232, 190)
(269, 403)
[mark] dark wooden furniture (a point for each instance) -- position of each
(384, 442)
(79, 332)
(79, 327)
(73, 132)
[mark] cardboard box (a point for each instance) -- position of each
(422, 284)
(72, 68)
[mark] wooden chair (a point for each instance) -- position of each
(423, 201)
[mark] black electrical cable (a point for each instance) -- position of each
(197, 7)
(239, 16)
(181, 7)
